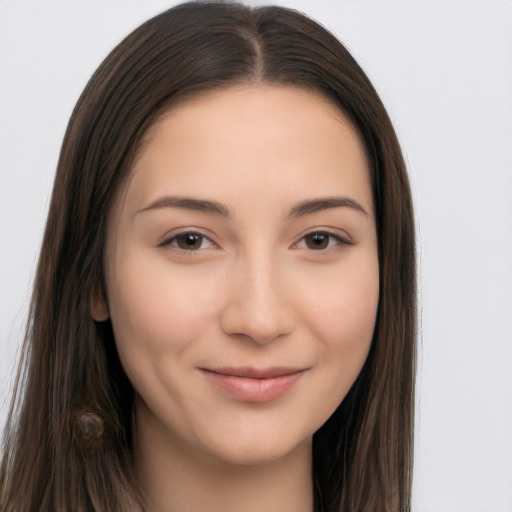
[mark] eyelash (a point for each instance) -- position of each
(173, 241)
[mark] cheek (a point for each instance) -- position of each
(341, 303)
(353, 311)
(155, 310)
(341, 317)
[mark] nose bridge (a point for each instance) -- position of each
(258, 305)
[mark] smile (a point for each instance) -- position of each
(252, 385)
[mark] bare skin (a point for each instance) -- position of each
(242, 284)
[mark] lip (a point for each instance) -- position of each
(252, 384)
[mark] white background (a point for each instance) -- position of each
(444, 71)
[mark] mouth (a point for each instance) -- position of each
(253, 385)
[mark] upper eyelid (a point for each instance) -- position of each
(186, 230)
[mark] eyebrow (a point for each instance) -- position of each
(316, 205)
(189, 203)
(306, 207)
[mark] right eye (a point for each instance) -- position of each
(189, 241)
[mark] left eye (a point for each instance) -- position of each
(320, 240)
(189, 242)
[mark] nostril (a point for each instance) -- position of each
(261, 327)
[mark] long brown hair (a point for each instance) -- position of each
(362, 456)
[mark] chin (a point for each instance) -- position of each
(257, 448)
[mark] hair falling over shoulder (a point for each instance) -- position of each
(67, 445)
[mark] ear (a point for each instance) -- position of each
(99, 307)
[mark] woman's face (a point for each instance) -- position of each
(242, 272)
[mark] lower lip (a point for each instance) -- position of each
(253, 390)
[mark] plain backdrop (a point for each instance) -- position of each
(444, 71)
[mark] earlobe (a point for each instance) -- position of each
(99, 307)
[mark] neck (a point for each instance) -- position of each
(179, 478)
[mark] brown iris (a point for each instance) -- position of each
(189, 241)
(317, 241)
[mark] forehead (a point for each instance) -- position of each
(235, 139)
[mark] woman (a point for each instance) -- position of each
(224, 310)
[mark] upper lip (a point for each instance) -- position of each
(255, 373)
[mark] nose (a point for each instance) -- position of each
(256, 305)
